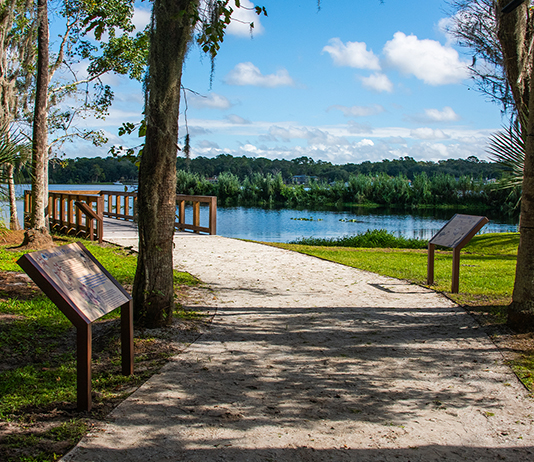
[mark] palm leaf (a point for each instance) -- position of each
(507, 148)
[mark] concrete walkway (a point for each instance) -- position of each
(309, 360)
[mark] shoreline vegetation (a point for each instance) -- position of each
(402, 183)
(439, 191)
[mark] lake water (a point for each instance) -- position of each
(284, 225)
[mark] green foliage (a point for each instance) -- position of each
(91, 170)
(329, 173)
(41, 338)
(15, 151)
(375, 238)
(379, 190)
(213, 23)
(507, 148)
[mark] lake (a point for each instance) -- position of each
(283, 225)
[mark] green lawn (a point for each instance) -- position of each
(37, 338)
(487, 266)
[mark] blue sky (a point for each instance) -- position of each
(355, 81)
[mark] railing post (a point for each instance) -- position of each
(181, 213)
(47, 211)
(70, 212)
(100, 220)
(78, 217)
(213, 215)
(118, 204)
(196, 214)
(27, 208)
(135, 219)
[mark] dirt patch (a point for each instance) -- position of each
(11, 238)
(18, 286)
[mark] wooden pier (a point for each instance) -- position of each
(98, 215)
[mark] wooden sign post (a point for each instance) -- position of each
(84, 291)
(455, 234)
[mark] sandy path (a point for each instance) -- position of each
(311, 360)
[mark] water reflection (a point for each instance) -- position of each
(286, 225)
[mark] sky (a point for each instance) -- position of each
(355, 81)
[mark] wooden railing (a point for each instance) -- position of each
(181, 224)
(82, 212)
(67, 216)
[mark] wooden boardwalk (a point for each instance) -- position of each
(124, 232)
(117, 230)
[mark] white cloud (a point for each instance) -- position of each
(312, 135)
(237, 120)
(205, 144)
(352, 54)
(426, 133)
(242, 18)
(444, 26)
(364, 142)
(198, 130)
(395, 140)
(377, 82)
(365, 149)
(446, 115)
(248, 74)
(427, 60)
(359, 111)
(211, 101)
(356, 128)
(141, 18)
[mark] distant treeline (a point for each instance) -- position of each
(85, 170)
(110, 169)
(244, 167)
(437, 190)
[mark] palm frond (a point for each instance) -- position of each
(507, 148)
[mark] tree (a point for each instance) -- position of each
(121, 53)
(515, 33)
(14, 153)
(17, 56)
(171, 32)
(39, 229)
(474, 26)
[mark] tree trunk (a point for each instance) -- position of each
(14, 223)
(515, 34)
(521, 310)
(40, 130)
(153, 293)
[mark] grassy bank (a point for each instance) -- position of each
(38, 416)
(487, 263)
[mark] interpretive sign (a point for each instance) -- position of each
(84, 291)
(456, 234)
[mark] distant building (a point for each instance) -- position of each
(303, 179)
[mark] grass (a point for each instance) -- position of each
(372, 238)
(38, 361)
(487, 265)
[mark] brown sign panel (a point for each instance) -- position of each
(456, 230)
(456, 234)
(75, 280)
(84, 291)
